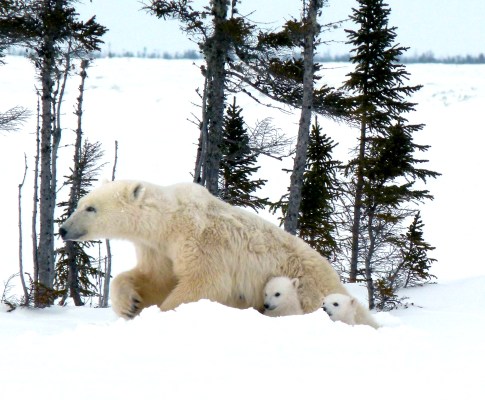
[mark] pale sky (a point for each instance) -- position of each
(444, 27)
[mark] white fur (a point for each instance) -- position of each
(281, 297)
(344, 308)
(340, 307)
(190, 246)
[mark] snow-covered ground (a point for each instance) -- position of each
(207, 351)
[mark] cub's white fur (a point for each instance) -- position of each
(340, 307)
(344, 308)
(281, 297)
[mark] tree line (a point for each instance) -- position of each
(362, 214)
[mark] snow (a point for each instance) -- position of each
(434, 349)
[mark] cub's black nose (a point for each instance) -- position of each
(266, 306)
(62, 232)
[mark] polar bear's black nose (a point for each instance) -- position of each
(62, 232)
(266, 306)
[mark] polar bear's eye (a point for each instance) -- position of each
(90, 209)
(335, 304)
(277, 294)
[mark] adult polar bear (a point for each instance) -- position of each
(191, 246)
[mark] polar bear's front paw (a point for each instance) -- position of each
(126, 301)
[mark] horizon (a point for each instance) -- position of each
(131, 29)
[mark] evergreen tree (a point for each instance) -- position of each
(238, 163)
(238, 56)
(384, 170)
(48, 27)
(75, 272)
(320, 188)
(415, 261)
(379, 103)
(412, 267)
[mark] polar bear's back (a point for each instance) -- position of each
(239, 249)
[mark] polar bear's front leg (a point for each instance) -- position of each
(134, 290)
(125, 299)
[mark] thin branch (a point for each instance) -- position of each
(21, 265)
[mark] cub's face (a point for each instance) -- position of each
(338, 306)
(278, 291)
(105, 213)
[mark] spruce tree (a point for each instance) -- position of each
(384, 171)
(410, 267)
(238, 163)
(75, 272)
(378, 94)
(320, 188)
(415, 260)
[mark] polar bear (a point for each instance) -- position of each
(344, 308)
(191, 245)
(281, 297)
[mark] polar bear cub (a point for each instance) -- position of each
(345, 308)
(340, 307)
(281, 297)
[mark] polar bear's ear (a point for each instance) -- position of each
(295, 282)
(138, 192)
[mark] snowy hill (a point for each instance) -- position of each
(206, 351)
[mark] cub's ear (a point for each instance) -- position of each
(295, 282)
(137, 192)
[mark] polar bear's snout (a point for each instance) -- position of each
(70, 232)
(62, 232)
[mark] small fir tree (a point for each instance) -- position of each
(75, 272)
(319, 192)
(320, 187)
(384, 170)
(238, 163)
(416, 263)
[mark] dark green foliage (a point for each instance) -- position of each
(384, 171)
(238, 163)
(316, 224)
(415, 261)
(29, 22)
(413, 268)
(378, 81)
(320, 188)
(74, 265)
(87, 273)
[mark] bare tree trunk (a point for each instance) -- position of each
(107, 273)
(21, 264)
(359, 191)
(216, 49)
(368, 262)
(45, 247)
(199, 176)
(36, 196)
(296, 180)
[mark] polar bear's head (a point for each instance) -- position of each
(280, 292)
(111, 211)
(340, 307)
